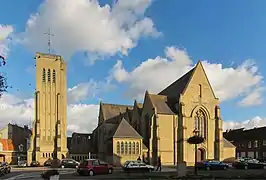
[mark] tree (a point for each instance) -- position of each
(3, 82)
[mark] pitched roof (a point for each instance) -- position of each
(125, 130)
(161, 104)
(227, 144)
(112, 110)
(178, 87)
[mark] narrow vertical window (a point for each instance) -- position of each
(118, 148)
(200, 90)
(122, 147)
(49, 75)
(54, 76)
(133, 148)
(129, 148)
(126, 148)
(137, 148)
(43, 75)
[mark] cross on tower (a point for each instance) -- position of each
(49, 40)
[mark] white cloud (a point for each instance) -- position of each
(81, 117)
(5, 31)
(254, 98)
(83, 25)
(156, 74)
(247, 124)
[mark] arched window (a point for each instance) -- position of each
(49, 75)
(122, 147)
(43, 75)
(126, 148)
(54, 76)
(118, 148)
(133, 148)
(129, 148)
(137, 148)
(200, 123)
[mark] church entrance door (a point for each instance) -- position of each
(200, 155)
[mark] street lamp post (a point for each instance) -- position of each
(196, 132)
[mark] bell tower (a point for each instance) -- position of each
(49, 133)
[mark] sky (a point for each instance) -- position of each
(117, 49)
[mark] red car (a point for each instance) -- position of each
(92, 167)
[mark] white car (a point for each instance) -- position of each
(136, 166)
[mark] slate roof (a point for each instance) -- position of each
(178, 87)
(227, 144)
(161, 104)
(112, 110)
(125, 130)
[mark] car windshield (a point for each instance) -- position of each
(85, 163)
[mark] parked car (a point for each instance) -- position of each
(34, 164)
(92, 167)
(212, 165)
(48, 162)
(2, 171)
(22, 163)
(248, 164)
(137, 166)
(69, 163)
(7, 168)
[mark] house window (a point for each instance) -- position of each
(200, 123)
(129, 148)
(133, 148)
(1, 147)
(122, 147)
(256, 143)
(118, 148)
(264, 142)
(264, 154)
(54, 76)
(249, 144)
(200, 90)
(43, 75)
(126, 148)
(137, 148)
(49, 75)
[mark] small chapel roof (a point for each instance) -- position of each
(227, 144)
(125, 130)
(161, 104)
(112, 110)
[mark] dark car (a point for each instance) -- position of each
(137, 166)
(34, 164)
(69, 163)
(92, 167)
(7, 168)
(248, 164)
(212, 165)
(48, 162)
(2, 171)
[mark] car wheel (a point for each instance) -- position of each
(110, 171)
(245, 167)
(91, 173)
(150, 170)
(264, 167)
(225, 167)
(208, 168)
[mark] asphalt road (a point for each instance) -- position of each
(34, 174)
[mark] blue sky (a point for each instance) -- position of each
(220, 32)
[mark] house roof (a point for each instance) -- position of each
(112, 110)
(161, 104)
(125, 130)
(227, 144)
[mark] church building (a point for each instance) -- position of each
(49, 132)
(161, 125)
